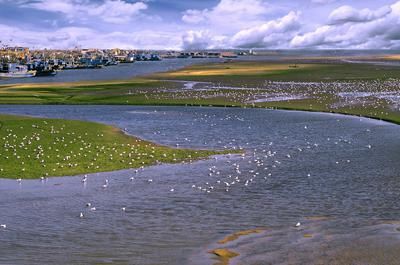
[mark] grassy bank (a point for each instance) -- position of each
(34, 147)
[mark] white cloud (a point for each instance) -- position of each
(193, 16)
(202, 39)
(351, 28)
(63, 38)
(117, 11)
(323, 1)
(347, 13)
(271, 33)
(69, 37)
(230, 15)
(237, 23)
(195, 40)
(228, 24)
(53, 6)
(112, 11)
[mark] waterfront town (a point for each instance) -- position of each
(23, 62)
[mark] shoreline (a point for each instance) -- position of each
(114, 137)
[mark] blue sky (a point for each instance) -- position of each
(201, 24)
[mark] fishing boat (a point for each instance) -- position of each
(11, 70)
(45, 71)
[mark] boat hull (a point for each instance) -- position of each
(45, 73)
(16, 75)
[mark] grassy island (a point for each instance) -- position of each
(35, 147)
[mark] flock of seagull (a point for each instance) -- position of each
(53, 158)
(371, 95)
(230, 171)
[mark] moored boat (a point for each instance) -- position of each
(46, 72)
(11, 70)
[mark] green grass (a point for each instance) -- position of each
(35, 147)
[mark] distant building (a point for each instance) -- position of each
(14, 53)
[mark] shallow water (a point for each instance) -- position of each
(297, 165)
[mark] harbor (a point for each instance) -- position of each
(21, 62)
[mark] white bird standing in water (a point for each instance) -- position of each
(105, 185)
(3, 226)
(298, 224)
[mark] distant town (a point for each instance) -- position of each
(23, 62)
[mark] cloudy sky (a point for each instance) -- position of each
(201, 24)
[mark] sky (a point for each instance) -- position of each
(201, 24)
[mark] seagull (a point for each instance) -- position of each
(105, 185)
(3, 226)
(298, 224)
(123, 209)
